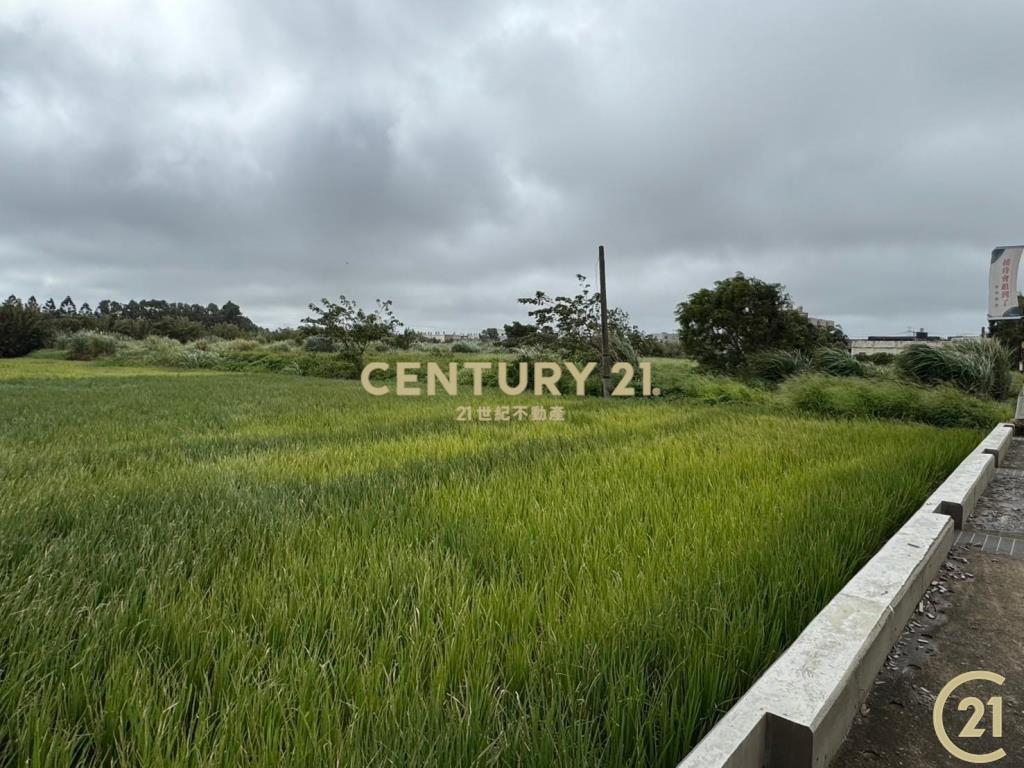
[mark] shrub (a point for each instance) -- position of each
(227, 331)
(89, 345)
(239, 345)
(205, 343)
(977, 366)
(837, 362)
(881, 358)
(198, 357)
(160, 350)
(243, 355)
(406, 339)
(319, 344)
(942, 406)
(777, 364)
(713, 389)
(461, 346)
(279, 346)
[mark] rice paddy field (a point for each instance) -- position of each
(221, 569)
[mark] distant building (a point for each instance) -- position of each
(818, 322)
(894, 344)
(448, 336)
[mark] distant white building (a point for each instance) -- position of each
(448, 336)
(894, 344)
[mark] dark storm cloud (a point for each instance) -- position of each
(455, 155)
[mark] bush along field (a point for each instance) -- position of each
(221, 569)
(967, 385)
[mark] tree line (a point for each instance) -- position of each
(720, 327)
(28, 325)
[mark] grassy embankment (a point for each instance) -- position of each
(224, 569)
(876, 392)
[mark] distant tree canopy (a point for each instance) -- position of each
(519, 334)
(722, 327)
(351, 328)
(138, 319)
(22, 328)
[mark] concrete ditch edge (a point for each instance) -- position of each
(799, 711)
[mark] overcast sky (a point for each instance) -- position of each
(455, 154)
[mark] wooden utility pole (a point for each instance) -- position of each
(606, 376)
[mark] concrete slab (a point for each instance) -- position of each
(997, 443)
(959, 493)
(1001, 507)
(970, 620)
(992, 543)
(974, 625)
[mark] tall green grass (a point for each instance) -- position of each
(217, 569)
(837, 362)
(314, 356)
(776, 365)
(977, 366)
(942, 406)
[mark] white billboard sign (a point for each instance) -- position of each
(1002, 284)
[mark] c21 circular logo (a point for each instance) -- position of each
(988, 713)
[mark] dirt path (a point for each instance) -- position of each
(971, 619)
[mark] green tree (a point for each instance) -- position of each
(407, 338)
(722, 327)
(519, 334)
(570, 326)
(351, 328)
(22, 329)
(179, 328)
(832, 336)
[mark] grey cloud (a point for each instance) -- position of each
(455, 155)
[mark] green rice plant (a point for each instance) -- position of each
(223, 569)
(837, 362)
(978, 366)
(777, 364)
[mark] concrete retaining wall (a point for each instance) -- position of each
(798, 713)
(958, 495)
(997, 443)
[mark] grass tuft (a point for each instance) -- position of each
(978, 366)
